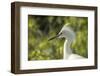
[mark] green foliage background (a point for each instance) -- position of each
(41, 28)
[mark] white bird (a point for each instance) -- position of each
(69, 35)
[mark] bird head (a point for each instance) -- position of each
(66, 32)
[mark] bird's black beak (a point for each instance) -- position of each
(54, 37)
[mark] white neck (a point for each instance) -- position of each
(67, 49)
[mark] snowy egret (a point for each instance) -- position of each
(69, 35)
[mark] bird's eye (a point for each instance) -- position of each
(61, 33)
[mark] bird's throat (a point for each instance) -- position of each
(67, 50)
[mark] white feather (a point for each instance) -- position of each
(69, 36)
(75, 56)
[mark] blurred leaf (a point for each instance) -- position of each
(41, 28)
